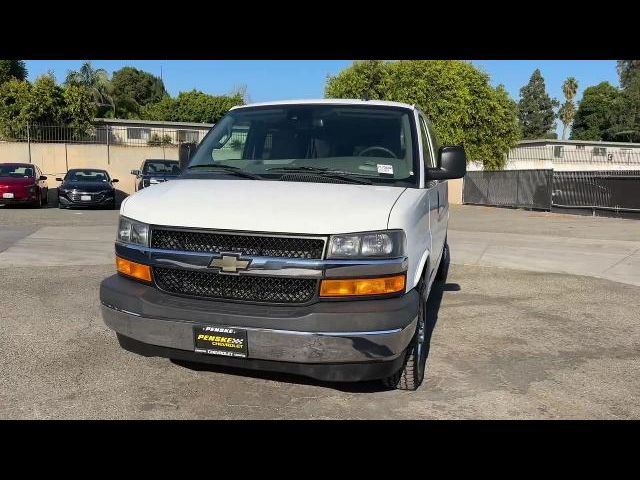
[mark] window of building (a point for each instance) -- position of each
(599, 151)
(579, 147)
(188, 136)
(558, 151)
(137, 133)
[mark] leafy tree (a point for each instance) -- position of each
(568, 110)
(597, 113)
(98, 83)
(156, 140)
(133, 88)
(79, 110)
(46, 105)
(535, 109)
(14, 96)
(627, 126)
(363, 79)
(193, 106)
(626, 69)
(15, 69)
(455, 95)
(164, 110)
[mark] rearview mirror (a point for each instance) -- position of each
(42, 177)
(185, 153)
(115, 180)
(58, 179)
(135, 172)
(452, 163)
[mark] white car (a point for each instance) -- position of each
(303, 237)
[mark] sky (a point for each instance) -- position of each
(296, 79)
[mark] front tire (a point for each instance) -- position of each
(411, 375)
(443, 269)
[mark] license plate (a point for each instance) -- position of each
(7, 195)
(85, 198)
(229, 342)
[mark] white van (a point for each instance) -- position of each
(302, 237)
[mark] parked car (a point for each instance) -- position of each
(22, 183)
(302, 237)
(153, 171)
(87, 187)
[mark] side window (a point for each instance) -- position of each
(428, 158)
(434, 140)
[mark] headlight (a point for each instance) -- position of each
(130, 231)
(383, 244)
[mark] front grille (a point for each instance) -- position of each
(256, 245)
(75, 197)
(235, 287)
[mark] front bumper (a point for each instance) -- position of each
(101, 202)
(345, 340)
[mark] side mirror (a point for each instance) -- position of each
(114, 180)
(452, 163)
(135, 172)
(185, 153)
(58, 179)
(42, 177)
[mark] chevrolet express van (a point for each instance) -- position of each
(301, 237)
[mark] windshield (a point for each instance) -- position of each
(87, 176)
(161, 167)
(371, 144)
(16, 171)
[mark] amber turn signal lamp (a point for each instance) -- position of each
(133, 269)
(362, 286)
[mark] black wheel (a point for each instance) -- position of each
(60, 205)
(443, 269)
(411, 375)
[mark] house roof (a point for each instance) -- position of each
(593, 143)
(124, 121)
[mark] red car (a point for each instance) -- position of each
(22, 183)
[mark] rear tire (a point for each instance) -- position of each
(411, 375)
(443, 269)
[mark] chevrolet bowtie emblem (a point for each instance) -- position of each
(230, 263)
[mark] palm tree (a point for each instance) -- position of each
(568, 110)
(98, 83)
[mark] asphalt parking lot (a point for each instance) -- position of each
(538, 319)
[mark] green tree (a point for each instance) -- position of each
(455, 95)
(133, 89)
(14, 97)
(79, 110)
(567, 111)
(627, 125)
(536, 109)
(15, 69)
(626, 69)
(164, 110)
(597, 113)
(363, 79)
(98, 83)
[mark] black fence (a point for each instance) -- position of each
(596, 192)
(509, 188)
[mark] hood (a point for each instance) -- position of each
(17, 181)
(86, 186)
(264, 206)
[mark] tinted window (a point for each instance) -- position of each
(163, 167)
(87, 176)
(372, 142)
(17, 171)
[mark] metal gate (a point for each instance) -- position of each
(509, 188)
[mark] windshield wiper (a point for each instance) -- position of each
(324, 172)
(227, 169)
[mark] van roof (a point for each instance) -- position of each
(329, 101)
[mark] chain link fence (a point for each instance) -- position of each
(575, 157)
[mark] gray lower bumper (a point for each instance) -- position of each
(270, 344)
(327, 332)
